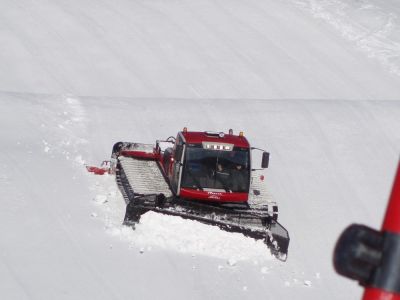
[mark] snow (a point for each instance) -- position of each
(78, 76)
(213, 49)
(372, 25)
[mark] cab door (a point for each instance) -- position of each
(178, 155)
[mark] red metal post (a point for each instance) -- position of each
(392, 218)
(390, 224)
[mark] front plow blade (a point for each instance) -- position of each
(255, 225)
(278, 240)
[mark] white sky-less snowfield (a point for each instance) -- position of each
(77, 76)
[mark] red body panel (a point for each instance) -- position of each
(199, 137)
(140, 154)
(213, 196)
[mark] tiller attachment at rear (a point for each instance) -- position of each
(104, 168)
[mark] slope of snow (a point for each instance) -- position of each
(188, 49)
(78, 76)
(332, 164)
(373, 26)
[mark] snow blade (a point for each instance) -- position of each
(257, 225)
(278, 240)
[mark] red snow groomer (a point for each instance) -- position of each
(203, 176)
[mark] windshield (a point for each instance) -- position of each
(216, 169)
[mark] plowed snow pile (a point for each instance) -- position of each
(316, 84)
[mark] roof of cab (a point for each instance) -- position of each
(196, 137)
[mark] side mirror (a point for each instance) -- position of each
(265, 160)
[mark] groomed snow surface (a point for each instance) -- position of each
(316, 83)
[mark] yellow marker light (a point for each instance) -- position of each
(241, 134)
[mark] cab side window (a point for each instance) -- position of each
(178, 149)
